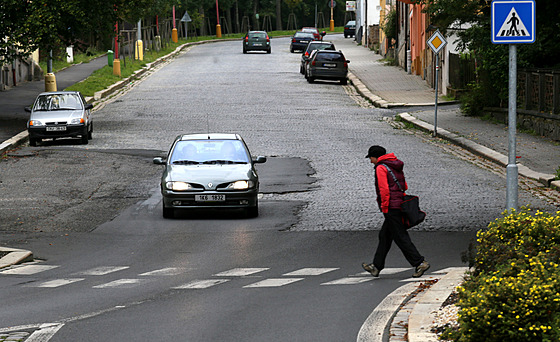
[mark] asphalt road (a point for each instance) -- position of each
(111, 268)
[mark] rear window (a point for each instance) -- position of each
(312, 47)
(332, 57)
(304, 35)
(257, 35)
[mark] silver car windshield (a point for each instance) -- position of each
(57, 102)
(193, 152)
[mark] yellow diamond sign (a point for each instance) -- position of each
(437, 42)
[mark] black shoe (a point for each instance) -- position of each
(420, 269)
(371, 269)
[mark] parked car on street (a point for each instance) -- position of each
(318, 35)
(315, 45)
(327, 65)
(212, 170)
(350, 29)
(300, 40)
(59, 114)
(256, 41)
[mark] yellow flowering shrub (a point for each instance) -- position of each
(513, 292)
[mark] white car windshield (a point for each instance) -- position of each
(58, 102)
(192, 152)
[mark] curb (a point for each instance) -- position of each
(483, 151)
(420, 318)
(15, 256)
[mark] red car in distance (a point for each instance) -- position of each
(315, 31)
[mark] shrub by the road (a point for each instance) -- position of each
(513, 292)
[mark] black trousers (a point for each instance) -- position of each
(394, 230)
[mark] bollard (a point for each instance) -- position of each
(50, 82)
(174, 36)
(117, 67)
(139, 51)
(218, 31)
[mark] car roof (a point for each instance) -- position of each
(257, 31)
(320, 42)
(210, 136)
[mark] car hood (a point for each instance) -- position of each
(57, 115)
(205, 174)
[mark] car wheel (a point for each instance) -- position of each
(301, 70)
(291, 49)
(85, 136)
(244, 50)
(168, 212)
(310, 79)
(90, 132)
(345, 36)
(269, 50)
(344, 81)
(32, 141)
(253, 211)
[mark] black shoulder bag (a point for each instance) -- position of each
(410, 206)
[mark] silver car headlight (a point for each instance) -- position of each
(36, 123)
(241, 185)
(77, 121)
(178, 186)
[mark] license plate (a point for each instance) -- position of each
(257, 44)
(56, 129)
(329, 65)
(210, 198)
(304, 41)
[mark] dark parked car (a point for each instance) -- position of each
(327, 65)
(59, 114)
(300, 40)
(315, 45)
(209, 171)
(350, 29)
(256, 41)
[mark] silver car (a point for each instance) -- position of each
(59, 114)
(209, 171)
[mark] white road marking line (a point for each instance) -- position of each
(102, 270)
(28, 269)
(273, 282)
(46, 332)
(349, 281)
(169, 271)
(201, 284)
(386, 271)
(121, 283)
(309, 272)
(240, 272)
(57, 282)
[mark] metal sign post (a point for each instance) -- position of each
(436, 42)
(513, 22)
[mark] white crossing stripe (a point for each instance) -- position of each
(28, 269)
(57, 282)
(201, 284)
(349, 281)
(169, 271)
(240, 272)
(273, 282)
(121, 283)
(309, 272)
(102, 270)
(387, 271)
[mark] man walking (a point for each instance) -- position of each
(389, 198)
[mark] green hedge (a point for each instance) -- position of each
(513, 292)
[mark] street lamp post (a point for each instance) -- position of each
(332, 16)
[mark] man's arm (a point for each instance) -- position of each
(383, 183)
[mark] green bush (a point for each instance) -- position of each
(513, 293)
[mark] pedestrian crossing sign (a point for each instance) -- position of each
(513, 22)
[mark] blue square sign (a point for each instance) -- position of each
(513, 22)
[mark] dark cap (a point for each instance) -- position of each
(376, 151)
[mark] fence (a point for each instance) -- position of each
(539, 90)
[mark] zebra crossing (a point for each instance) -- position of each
(263, 276)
